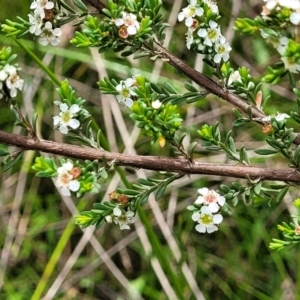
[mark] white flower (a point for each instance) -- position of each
(14, 82)
(210, 198)
(36, 21)
(44, 4)
(233, 77)
(212, 34)
(212, 5)
(295, 18)
(189, 38)
(222, 50)
(7, 70)
(65, 118)
(126, 92)
(278, 43)
(279, 117)
(65, 180)
(290, 64)
(49, 35)
(156, 104)
(130, 21)
(189, 12)
(207, 220)
(12, 79)
(123, 219)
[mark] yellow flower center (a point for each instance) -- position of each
(206, 219)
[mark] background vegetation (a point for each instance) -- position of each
(45, 256)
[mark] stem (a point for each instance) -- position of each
(29, 127)
(156, 163)
(39, 62)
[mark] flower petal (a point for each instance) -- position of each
(196, 217)
(124, 226)
(74, 185)
(117, 212)
(56, 120)
(212, 228)
(200, 228)
(74, 108)
(217, 219)
(74, 123)
(214, 207)
(65, 191)
(63, 129)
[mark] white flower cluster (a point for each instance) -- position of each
(279, 42)
(40, 22)
(9, 76)
(126, 92)
(207, 217)
(121, 218)
(128, 25)
(67, 118)
(65, 179)
(210, 35)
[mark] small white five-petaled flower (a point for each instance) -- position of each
(49, 35)
(12, 79)
(222, 50)
(65, 180)
(189, 12)
(210, 198)
(65, 118)
(207, 220)
(121, 218)
(212, 34)
(130, 21)
(126, 92)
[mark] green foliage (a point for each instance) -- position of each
(281, 139)
(212, 136)
(86, 174)
(105, 34)
(245, 25)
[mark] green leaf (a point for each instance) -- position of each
(160, 191)
(265, 151)
(130, 192)
(3, 152)
(281, 194)
(191, 149)
(141, 54)
(145, 182)
(240, 122)
(12, 162)
(244, 156)
(231, 144)
(169, 88)
(80, 5)
(257, 188)
(190, 87)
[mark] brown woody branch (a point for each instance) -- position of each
(156, 163)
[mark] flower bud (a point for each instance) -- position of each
(161, 141)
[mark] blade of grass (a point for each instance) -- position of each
(63, 241)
